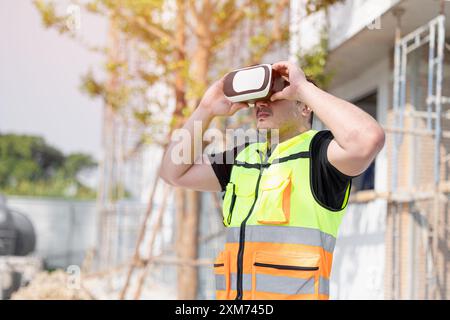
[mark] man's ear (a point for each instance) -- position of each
(300, 105)
(305, 110)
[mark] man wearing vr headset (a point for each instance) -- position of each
(283, 204)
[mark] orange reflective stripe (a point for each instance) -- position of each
(278, 285)
(326, 258)
(222, 295)
(247, 295)
(277, 296)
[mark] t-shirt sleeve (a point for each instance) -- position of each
(222, 163)
(329, 185)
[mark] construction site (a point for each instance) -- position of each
(389, 57)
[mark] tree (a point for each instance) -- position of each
(29, 166)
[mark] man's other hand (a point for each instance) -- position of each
(297, 81)
(215, 102)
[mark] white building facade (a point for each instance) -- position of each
(361, 42)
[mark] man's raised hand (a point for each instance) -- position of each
(215, 102)
(296, 78)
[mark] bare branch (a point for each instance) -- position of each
(277, 31)
(232, 20)
(152, 29)
(193, 9)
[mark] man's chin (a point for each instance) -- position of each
(265, 125)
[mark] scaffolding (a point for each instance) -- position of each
(432, 35)
(121, 167)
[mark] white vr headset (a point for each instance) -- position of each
(253, 84)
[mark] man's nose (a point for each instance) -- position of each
(262, 104)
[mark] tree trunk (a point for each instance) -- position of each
(188, 220)
(187, 248)
(187, 204)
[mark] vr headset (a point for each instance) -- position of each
(252, 84)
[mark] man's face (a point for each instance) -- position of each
(280, 114)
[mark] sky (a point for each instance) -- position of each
(40, 76)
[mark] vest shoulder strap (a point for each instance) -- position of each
(292, 149)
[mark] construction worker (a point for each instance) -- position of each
(283, 203)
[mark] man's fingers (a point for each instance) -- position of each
(279, 95)
(280, 66)
(237, 106)
(283, 67)
(275, 96)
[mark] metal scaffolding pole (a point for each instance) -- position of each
(398, 58)
(440, 25)
(433, 34)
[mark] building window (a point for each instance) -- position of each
(366, 181)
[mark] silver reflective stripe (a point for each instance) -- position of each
(284, 234)
(324, 286)
(246, 281)
(275, 284)
(220, 282)
(284, 285)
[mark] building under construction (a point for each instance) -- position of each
(392, 58)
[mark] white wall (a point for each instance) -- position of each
(346, 20)
(67, 229)
(352, 16)
(64, 229)
(358, 266)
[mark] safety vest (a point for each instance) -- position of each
(280, 239)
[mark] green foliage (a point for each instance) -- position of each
(76, 162)
(91, 86)
(142, 116)
(50, 17)
(313, 63)
(29, 166)
(313, 6)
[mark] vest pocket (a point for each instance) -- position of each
(222, 275)
(228, 203)
(285, 275)
(238, 199)
(273, 206)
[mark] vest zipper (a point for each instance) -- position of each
(240, 256)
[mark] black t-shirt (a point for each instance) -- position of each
(328, 184)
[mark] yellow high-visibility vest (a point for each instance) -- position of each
(280, 238)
